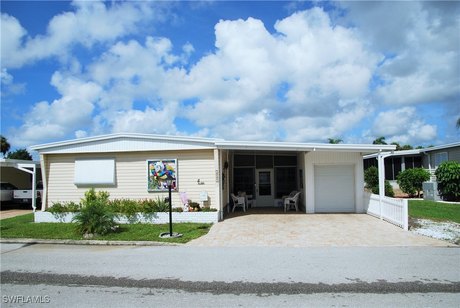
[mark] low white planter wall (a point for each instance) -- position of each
(153, 218)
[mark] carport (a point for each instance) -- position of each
(22, 174)
(330, 177)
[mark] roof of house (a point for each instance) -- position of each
(417, 151)
(5, 162)
(145, 142)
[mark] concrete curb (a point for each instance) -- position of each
(87, 242)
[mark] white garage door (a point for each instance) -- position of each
(334, 189)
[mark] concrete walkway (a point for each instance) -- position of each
(13, 213)
(302, 230)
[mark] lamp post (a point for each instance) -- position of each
(169, 180)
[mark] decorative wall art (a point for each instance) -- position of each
(158, 171)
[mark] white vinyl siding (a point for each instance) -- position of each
(334, 189)
(440, 158)
(131, 176)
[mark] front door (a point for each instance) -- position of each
(264, 187)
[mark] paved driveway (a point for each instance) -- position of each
(304, 230)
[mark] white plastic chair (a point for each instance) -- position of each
(290, 201)
(238, 201)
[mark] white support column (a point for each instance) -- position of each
(381, 167)
(218, 182)
(23, 167)
(44, 181)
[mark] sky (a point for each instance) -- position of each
(261, 70)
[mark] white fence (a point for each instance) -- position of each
(393, 210)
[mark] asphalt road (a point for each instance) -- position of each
(180, 276)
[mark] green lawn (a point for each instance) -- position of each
(438, 211)
(24, 227)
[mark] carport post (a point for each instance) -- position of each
(23, 167)
(381, 168)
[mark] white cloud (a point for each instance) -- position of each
(92, 22)
(8, 85)
(322, 65)
(62, 116)
(403, 125)
(422, 43)
(150, 121)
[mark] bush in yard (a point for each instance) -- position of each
(371, 177)
(411, 181)
(388, 189)
(448, 178)
(96, 216)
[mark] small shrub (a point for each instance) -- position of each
(96, 216)
(208, 209)
(194, 206)
(129, 208)
(389, 192)
(64, 207)
(371, 177)
(448, 178)
(411, 180)
(161, 205)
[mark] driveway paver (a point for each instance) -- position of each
(309, 230)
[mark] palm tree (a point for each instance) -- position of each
(379, 140)
(334, 141)
(5, 146)
(458, 123)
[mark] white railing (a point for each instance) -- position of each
(393, 210)
(432, 174)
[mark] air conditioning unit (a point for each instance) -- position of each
(430, 191)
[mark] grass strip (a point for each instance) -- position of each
(438, 211)
(24, 227)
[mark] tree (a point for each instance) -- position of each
(411, 180)
(379, 140)
(406, 147)
(334, 141)
(19, 154)
(5, 146)
(448, 178)
(402, 147)
(371, 177)
(458, 123)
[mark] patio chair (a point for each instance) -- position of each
(238, 201)
(292, 201)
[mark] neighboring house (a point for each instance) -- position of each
(428, 158)
(330, 176)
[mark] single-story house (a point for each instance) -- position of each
(329, 176)
(429, 158)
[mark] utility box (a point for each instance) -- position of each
(430, 191)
